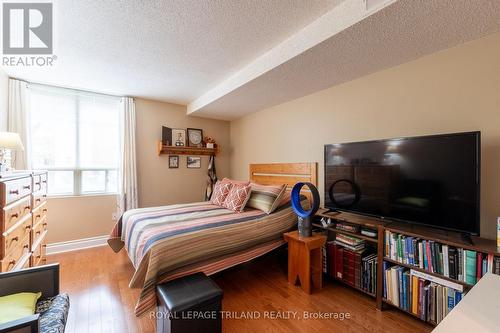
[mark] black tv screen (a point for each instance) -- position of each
(432, 180)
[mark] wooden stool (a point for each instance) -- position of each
(304, 259)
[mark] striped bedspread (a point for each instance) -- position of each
(168, 242)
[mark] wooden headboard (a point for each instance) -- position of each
(284, 173)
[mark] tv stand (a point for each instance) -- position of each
(453, 239)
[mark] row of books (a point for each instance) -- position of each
(426, 296)
(350, 242)
(355, 267)
(456, 263)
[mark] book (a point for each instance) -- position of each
(437, 280)
(350, 247)
(470, 266)
(479, 266)
(452, 272)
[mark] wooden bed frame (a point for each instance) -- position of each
(285, 173)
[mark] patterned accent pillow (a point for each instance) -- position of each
(221, 190)
(237, 197)
(266, 197)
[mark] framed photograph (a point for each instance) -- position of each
(178, 137)
(173, 162)
(193, 162)
(195, 137)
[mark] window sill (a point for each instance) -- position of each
(70, 196)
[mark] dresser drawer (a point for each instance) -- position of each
(15, 189)
(38, 230)
(17, 258)
(39, 253)
(40, 182)
(39, 198)
(11, 238)
(12, 213)
(39, 212)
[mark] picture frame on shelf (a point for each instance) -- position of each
(195, 137)
(193, 162)
(166, 136)
(179, 137)
(173, 162)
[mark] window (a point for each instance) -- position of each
(75, 136)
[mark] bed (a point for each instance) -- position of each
(167, 242)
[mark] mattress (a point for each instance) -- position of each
(164, 243)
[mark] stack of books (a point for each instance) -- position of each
(352, 243)
(357, 268)
(456, 263)
(428, 297)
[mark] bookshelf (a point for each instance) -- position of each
(185, 150)
(484, 246)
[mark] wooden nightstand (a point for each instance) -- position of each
(304, 259)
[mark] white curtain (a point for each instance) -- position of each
(18, 121)
(127, 197)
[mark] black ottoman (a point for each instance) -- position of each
(188, 305)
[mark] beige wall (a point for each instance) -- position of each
(159, 185)
(74, 218)
(4, 92)
(451, 91)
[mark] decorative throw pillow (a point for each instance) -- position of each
(221, 190)
(17, 306)
(266, 197)
(237, 197)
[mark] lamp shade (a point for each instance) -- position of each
(10, 140)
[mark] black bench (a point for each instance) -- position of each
(188, 305)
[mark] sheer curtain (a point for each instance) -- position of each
(18, 121)
(127, 196)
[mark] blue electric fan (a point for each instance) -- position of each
(305, 217)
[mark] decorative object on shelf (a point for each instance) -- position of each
(193, 162)
(305, 217)
(195, 137)
(8, 141)
(179, 137)
(166, 136)
(211, 178)
(173, 162)
(209, 142)
(498, 232)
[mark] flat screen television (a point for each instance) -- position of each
(432, 180)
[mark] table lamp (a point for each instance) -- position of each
(8, 141)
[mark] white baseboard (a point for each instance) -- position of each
(77, 244)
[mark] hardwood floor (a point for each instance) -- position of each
(101, 301)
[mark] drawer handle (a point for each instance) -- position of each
(12, 262)
(38, 257)
(37, 183)
(37, 233)
(25, 246)
(38, 216)
(44, 210)
(15, 239)
(44, 181)
(14, 192)
(44, 245)
(38, 200)
(15, 215)
(28, 227)
(45, 224)
(26, 187)
(27, 207)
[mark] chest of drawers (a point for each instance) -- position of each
(23, 220)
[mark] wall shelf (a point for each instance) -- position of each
(174, 150)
